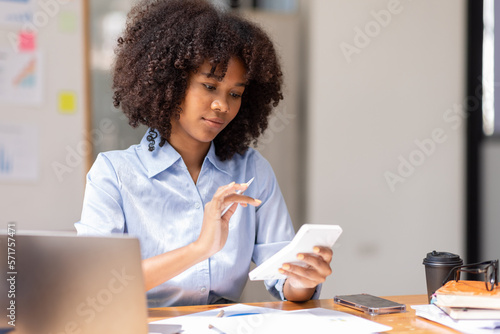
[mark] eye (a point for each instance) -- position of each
(209, 87)
(235, 95)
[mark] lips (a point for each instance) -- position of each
(214, 121)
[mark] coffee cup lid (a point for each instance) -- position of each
(442, 258)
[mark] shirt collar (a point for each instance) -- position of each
(216, 162)
(164, 157)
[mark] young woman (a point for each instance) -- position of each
(204, 81)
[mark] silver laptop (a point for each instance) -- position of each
(63, 283)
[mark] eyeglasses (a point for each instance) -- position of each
(488, 268)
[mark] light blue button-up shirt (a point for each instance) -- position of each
(151, 195)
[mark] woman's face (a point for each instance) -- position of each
(209, 104)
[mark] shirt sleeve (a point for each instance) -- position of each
(102, 211)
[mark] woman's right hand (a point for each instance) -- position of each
(215, 228)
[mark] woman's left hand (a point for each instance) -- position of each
(316, 271)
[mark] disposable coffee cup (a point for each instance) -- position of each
(437, 267)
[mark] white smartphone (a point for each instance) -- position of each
(370, 304)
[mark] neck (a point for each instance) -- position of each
(193, 155)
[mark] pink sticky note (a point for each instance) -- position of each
(26, 41)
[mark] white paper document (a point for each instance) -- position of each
(198, 322)
(245, 319)
(308, 236)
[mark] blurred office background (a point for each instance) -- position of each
(374, 133)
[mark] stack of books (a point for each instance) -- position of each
(468, 300)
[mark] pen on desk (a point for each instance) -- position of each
(215, 329)
(237, 192)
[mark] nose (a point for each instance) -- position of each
(219, 105)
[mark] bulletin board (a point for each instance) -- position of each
(45, 142)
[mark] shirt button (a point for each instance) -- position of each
(203, 289)
(197, 205)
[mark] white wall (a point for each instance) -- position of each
(366, 114)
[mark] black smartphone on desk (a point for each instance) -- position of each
(370, 304)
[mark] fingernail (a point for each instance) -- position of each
(286, 266)
(258, 201)
(281, 271)
(232, 184)
(316, 249)
(300, 256)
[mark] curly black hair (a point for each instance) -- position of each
(166, 40)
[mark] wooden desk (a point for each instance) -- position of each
(406, 322)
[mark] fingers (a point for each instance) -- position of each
(300, 277)
(241, 199)
(298, 280)
(305, 274)
(229, 189)
(316, 270)
(320, 261)
(233, 204)
(229, 196)
(325, 252)
(231, 193)
(232, 208)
